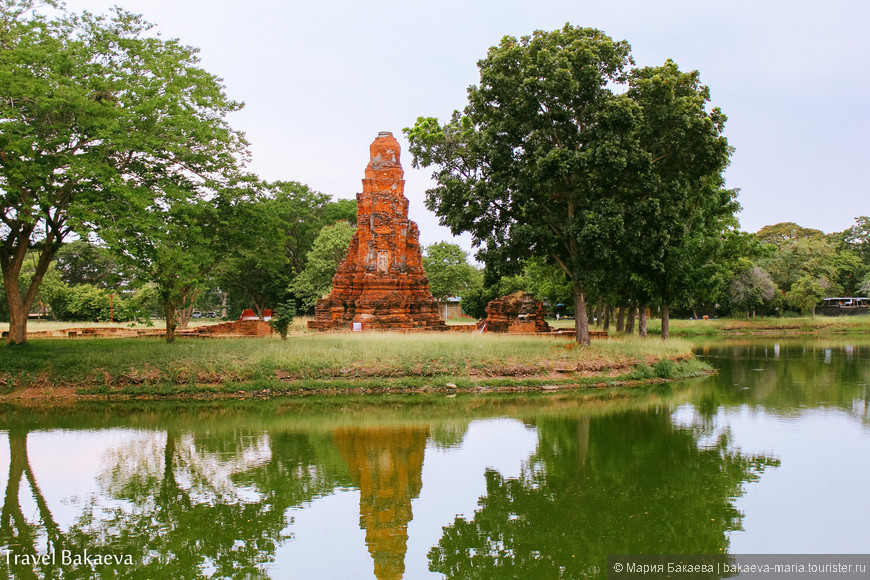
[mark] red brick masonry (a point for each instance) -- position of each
(516, 313)
(381, 284)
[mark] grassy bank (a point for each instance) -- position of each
(330, 362)
(757, 325)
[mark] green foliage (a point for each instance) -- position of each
(525, 168)
(849, 271)
(475, 300)
(785, 233)
(807, 293)
(750, 289)
(552, 158)
(101, 122)
(280, 224)
(340, 210)
(680, 215)
(803, 257)
(664, 369)
(327, 251)
(550, 282)
(85, 302)
(177, 244)
(282, 318)
(448, 270)
(81, 262)
(857, 238)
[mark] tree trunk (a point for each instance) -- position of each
(666, 320)
(224, 297)
(169, 312)
(186, 312)
(641, 321)
(629, 321)
(260, 307)
(19, 305)
(581, 323)
(620, 319)
(184, 316)
(598, 308)
(17, 317)
(606, 324)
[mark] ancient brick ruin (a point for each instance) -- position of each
(233, 328)
(516, 313)
(381, 283)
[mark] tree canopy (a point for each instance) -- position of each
(99, 120)
(564, 153)
(327, 252)
(448, 270)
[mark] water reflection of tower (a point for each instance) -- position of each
(387, 465)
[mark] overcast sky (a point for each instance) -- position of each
(320, 79)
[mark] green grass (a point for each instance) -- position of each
(767, 325)
(311, 361)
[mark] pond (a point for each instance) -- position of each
(771, 455)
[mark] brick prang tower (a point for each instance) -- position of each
(381, 283)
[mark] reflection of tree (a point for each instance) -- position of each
(303, 466)
(16, 533)
(625, 483)
(182, 523)
(387, 465)
(794, 375)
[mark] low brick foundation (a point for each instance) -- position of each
(234, 328)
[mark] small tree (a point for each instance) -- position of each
(751, 288)
(806, 293)
(283, 317)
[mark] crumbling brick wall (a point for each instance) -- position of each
(516, 313)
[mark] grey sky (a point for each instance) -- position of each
(321, 78)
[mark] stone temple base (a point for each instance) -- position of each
(378, 315)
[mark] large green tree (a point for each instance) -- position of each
(83, 262)
(564, 153)
(784, 233)
(857, 238)
(750, 288)
(678, 211)
(799, 258)
(176, 246)
(99, 120)
(530, 167)
(282, 224)
(327, 252)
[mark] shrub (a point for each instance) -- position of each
(282, 318)
(664, 369)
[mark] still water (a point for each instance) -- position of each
(772, 455)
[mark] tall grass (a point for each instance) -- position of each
(321, 356)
